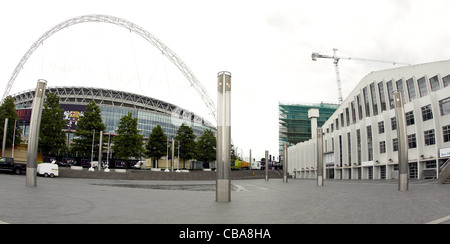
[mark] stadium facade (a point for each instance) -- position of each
(360, 138)
(114, 105)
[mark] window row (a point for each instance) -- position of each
(429, 139)
(368, 98)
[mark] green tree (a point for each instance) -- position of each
(8, 110)
(51, 137)
(206, 148)
(128, 143)
(156, 146)
(185, 136)
(90, 121)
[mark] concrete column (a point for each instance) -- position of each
(33, 138)
(285, 162)
(100, 144)
(5, 134)
(402, 143)
(223, 151)
(319, 157)
(267, 166)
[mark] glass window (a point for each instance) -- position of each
(347, 116)
(382, 147)
(358, 145)
(446, 80)
(390, 90)
(394, 123)
(366, 101)
(409, 116)
(358, 101)
(411, 89)
(446, 133)
(382, 96)
(434, 83)
(374, 99)
(444, 106)
(412, 141)
(381, 127)
(422, 87)
(369, 143)
(427, 114)
(429, 137)
(395, 144)
(400, 89)
(353, 112)
(349, 149)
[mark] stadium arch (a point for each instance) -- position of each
(132, 27)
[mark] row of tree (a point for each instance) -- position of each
(128, 143)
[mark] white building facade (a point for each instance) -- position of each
(360, 138)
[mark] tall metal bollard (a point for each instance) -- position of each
(285, 162)
(402, 143)
(5, 134)
(319, 157)
(267, 165)
(33, 138)
(223, 152)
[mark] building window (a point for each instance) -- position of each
(395, 144)
(381, 127)
(382, 147)
(390, 90)
(422, 87)
(411, 89)
(366, 101)
(446, 80)
(374, 99)
(369, 143)
(349, 149)
(337, 123)
(382, 96)
(427, 114)
(434, 83)
(358, 145)
(394, 123)
(446, 133)
(429, 137)
(409, 116)
(347, 116)
(358, 101)
(412, 141)
(353, 112)
(400, 89)
(444, 106)
(342, 120)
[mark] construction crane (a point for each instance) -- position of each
(336, 58)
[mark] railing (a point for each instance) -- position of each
(444, 171)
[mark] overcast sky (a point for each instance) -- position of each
(266, 45)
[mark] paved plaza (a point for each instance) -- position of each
(78, 200)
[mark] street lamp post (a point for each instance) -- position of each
(223, 152)
(402, 143)
(33, 137)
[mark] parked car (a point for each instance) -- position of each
(8, 164)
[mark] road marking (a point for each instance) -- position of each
(438, 221)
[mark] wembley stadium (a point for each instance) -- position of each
(114, 105)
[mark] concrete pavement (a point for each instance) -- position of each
(77, 200)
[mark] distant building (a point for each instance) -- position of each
(294, 124)
(360, 138)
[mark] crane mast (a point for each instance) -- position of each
(315, 56)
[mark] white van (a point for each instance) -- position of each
(48, 169)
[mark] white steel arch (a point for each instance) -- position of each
(132, 27)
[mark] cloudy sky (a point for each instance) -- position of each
(266, 45)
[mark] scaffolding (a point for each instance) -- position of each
(294, 125)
